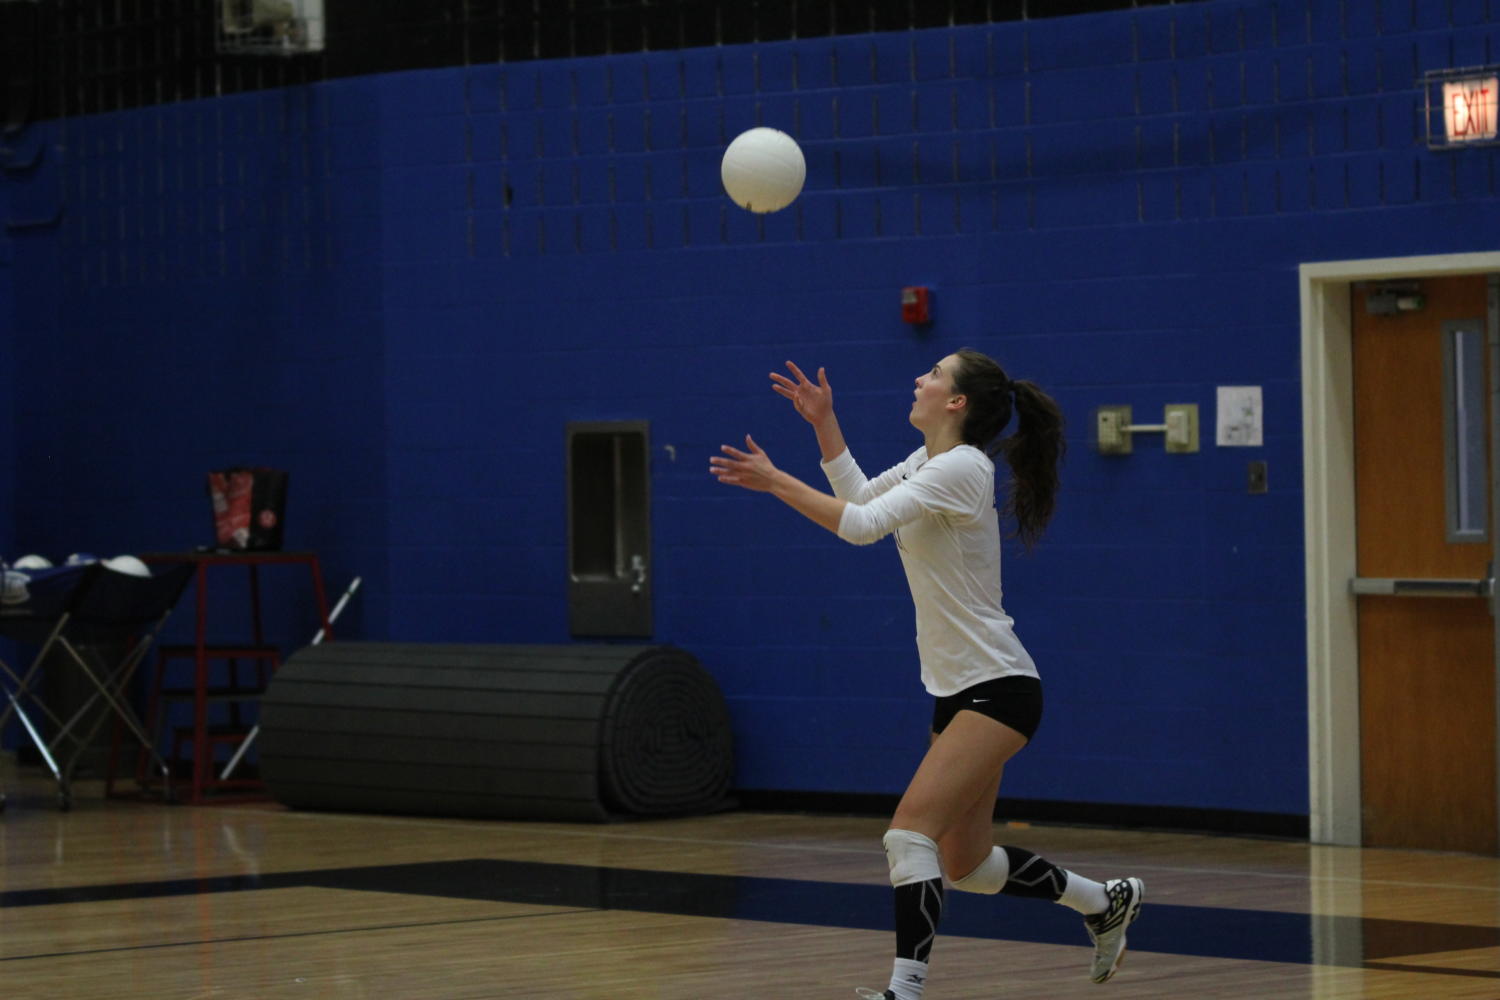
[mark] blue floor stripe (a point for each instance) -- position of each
(1208, 932)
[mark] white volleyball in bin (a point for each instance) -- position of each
(13, 586)
(129, 565)
(32, 562)
(763, 170)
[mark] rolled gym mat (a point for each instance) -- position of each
(567, 732)
(665, 745)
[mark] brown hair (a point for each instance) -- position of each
(1033, 452)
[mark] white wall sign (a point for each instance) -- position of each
(1240, 417)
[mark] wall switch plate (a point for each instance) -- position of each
(1182, 427)
(1256, 479)
(1111, 434)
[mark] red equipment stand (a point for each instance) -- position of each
(266, 658)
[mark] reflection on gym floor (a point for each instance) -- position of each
(128, 899)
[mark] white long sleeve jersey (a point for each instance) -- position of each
(942, 512)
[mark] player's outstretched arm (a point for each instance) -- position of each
(814, 401)
(753, 470)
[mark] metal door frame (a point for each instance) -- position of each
(1328, 495)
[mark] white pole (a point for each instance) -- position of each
(239, 754)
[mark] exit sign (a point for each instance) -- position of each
(1469, 109)
(1462, 107)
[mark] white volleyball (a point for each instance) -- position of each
(763, 170)
(32, 562)
(128, 564)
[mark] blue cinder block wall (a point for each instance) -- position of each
(7, 379)
(8, 469)
(210, 299)
(402, 288)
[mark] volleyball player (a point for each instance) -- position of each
(940, 505)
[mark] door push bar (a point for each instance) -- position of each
(1422, 588)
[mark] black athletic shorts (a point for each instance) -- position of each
(1015, 701)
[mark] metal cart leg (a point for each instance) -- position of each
(109, 686)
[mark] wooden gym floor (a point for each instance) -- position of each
(123, 899)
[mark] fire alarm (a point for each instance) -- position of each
(916, 304)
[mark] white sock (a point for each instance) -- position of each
(908, 979)
(1084, 895)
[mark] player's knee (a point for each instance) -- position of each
(987, 877)
(912, 857)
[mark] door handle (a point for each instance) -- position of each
(1397, 587)
(638, 574)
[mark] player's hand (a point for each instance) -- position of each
(813, 400)
(751, 469)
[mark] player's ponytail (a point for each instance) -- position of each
(1033, 452)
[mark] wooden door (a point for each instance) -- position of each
(1427, 664)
